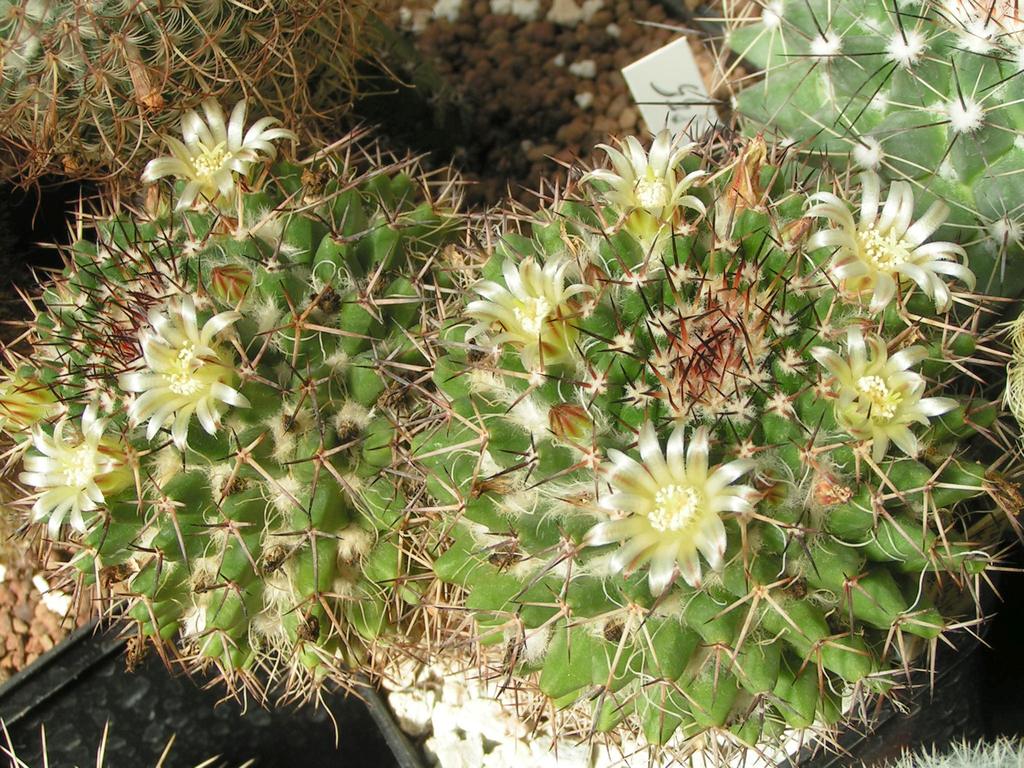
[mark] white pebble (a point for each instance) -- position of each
(586, 68)
(584, 100)
(447, 9)
(590, 7)
(559, 60)
(527, 10)
(412, 709)
(3, 572)
(613, 30)
(54, 600)
(565, 12)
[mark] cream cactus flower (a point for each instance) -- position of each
(886, 249)
(184, 371)
(878, 396)
(214, 151)
(667, 508)
(24, 402)
(74, 470)
(532, 312)
(647, 189)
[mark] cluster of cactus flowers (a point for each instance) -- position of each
(207, 402)
(925, 91)
(704, 461)
(88, 86)
(695, 446)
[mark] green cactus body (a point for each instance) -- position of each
(675, 388)
(928, 92)
(88, 86)
(247, 366)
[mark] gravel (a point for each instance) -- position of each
(34, 616)
(535, 83)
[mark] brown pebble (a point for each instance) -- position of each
(627, 119)
(540, 152)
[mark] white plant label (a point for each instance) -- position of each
(668, 88)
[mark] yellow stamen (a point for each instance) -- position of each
(675, 507)
(532, 315)
(884, 251)
(210, 162)
(651, 194)
(882, 400)
(79, 466)
(182, 379)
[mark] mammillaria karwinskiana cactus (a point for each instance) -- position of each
(702, 464)
(925, 91)
(87, 87)
(209, 398)
(1002, 753)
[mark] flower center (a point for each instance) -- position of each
(885, 252)
(675, 507)
(532, 315)
(181, 378)
(79, 466)
(211, 161)
(882, 400)
(651, 194)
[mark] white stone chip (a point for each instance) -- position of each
(565, 12)
(586, 68)
(527, 10)
(55, 601)
(447, 9)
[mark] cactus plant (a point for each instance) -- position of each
(1002, 753)
(693, 471)
(924, 91)
(89, 86)
(101, 752)
(210, 395)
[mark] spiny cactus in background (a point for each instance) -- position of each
(87, 87)
(925, 91)
(14, 761)
(709, 470)
(1002, 753)
(209, 395)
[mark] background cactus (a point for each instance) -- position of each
(101, 758)
(226, 380)
(88, 86)
(927, 91)
(670, 377)
(998, 754)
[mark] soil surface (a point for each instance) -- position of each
(514, 87)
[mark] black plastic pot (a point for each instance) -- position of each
(82, 684)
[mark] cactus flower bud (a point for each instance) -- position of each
(570, 422)
(230, 282)
(24, 402)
